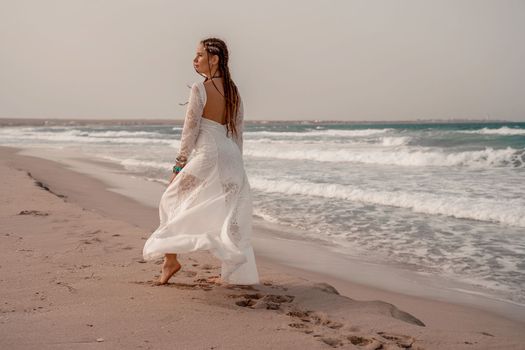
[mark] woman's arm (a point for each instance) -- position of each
(239, 125)
(190, 130)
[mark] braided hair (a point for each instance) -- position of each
(215, 46)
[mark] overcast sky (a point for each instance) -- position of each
(344, 60)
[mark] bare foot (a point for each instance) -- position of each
(168, 270)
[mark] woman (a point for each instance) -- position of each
(207, 204)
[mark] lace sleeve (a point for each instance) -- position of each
(190, 130)
(239, 126)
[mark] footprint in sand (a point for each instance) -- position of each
(65, 284)
(333, 342)
(314, 318)
(297, 325)
(200, 283)
(264, 301)
(318, 321)
(390, 341)
(33, 212)
(91, 240)
(240, 287)
(208, 268)
(274, 286)
(204, 284)
(358, 340)
(320, 325)
(403, 341)
(190, 273)
(178, 285)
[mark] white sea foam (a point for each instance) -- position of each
(406, 156)
(264, 216)
(130, 163)
(510, 212)
(329, 132)
(504, 130)
(120, 133)
(386, 141)
(394, 141)
(77, 136)
(60, 130)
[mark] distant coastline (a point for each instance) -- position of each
(80, 122)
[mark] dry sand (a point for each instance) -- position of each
(72, 277)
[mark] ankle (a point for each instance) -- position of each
(171, 262)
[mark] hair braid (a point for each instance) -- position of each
(215, 46)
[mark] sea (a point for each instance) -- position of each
(443, 198)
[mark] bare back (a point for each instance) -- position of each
(215, 107)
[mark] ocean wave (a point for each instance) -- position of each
(130, 163)
(79, 136)
(394, 141)
(62, 130)
(329, 132)
(504, 130)
(119, 133)
(510, 212)
(387, 141)
(263, 215)
(489, 157)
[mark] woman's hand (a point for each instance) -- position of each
(181, 162)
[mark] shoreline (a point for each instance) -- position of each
(43, 121)
(272, 242)
(81, 189)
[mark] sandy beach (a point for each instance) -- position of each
(72, 277)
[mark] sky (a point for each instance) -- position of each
(291, 60)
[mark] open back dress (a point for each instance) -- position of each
(208, 206)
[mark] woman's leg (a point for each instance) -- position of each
(169, 268)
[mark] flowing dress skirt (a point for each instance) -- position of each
(208, 206)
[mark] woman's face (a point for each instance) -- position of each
(200, 62)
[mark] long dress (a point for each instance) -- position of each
(208, 206)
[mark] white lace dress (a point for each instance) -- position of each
(208, 206)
